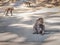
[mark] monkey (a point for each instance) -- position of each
(28, 4)
(9, 9)
(39, 27)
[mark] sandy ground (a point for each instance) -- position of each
(18, 29)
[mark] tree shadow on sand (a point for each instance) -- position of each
(24, 30)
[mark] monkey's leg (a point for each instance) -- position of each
(11, 12)
(35, 31)
(29, 4)
(7, 13)
(43, 29)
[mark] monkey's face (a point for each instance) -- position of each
(38, 22)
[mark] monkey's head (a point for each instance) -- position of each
(40, 19)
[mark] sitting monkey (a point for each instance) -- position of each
(39, 26)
